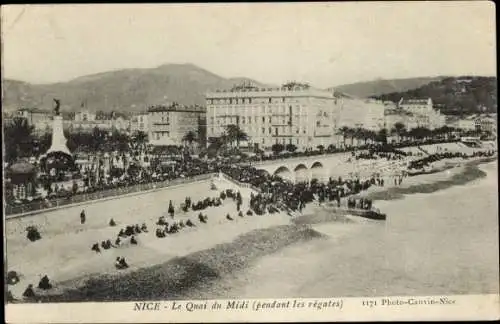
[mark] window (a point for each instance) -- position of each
(263, 119)
(270, 130)
(276, 131)
(270, 100)
(263, 130)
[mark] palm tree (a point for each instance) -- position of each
(382, 135)
(399, 129)
(235, 133)
(345, 132)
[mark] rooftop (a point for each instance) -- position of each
(175, 107)
(414, 101)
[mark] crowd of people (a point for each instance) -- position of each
(432, 158)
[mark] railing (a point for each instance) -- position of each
(87, 197)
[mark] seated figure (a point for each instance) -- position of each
(44, 283)
(29, 292)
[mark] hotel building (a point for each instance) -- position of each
(168, 124)
(292, 114)
(423, 112)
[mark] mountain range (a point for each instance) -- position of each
(133, 90)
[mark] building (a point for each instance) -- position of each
(41, 120)
(84, 116)
(362, 113)
(139, 123)
(168, 124)
(292, 114)
(423, 112)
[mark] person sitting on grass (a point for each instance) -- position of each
(133, 240)
(117, 241)
(29, 292)
(44, 283)
(229, 217)
(144, 228)
(112, 222)
(120, 263)
(96, 248)
(189, 223)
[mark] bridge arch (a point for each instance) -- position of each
(301, 173)
(318, 171)
(284, 173)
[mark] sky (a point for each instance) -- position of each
(325, 44)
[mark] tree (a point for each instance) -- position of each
(345, 132)
(235, 134)
(382, 136)
(291, 148)
(18, 139)
(189, 137)
(141, 138)
(277, 148)
(399, 129)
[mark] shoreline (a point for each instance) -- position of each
(279, 229)
(212, 263)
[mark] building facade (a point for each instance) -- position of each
(84, 116)
(168, 124)
(41, 120)
(422, 112)
(292, 114)
(139, 123)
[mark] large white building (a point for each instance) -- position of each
(292, 114)
(422, 112)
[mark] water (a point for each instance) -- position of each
(440, 243)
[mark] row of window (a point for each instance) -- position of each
(237, 101)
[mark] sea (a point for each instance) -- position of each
(443, 243)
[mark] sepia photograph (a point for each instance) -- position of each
(230, 160)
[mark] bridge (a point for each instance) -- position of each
(321, 167)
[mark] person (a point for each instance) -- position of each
(189, 223)
(44, 283)
(82, 217)
(144, 228)
(29, 292)
(12, 277)
(112, 222)
(95, 248)
(118, 241)
(229, 217)
(133, 240)
(120, 263)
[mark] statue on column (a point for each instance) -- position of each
(57, 107)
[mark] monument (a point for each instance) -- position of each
(58, 138)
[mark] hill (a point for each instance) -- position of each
(379, 87)
(463, 95)
(125, 90)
